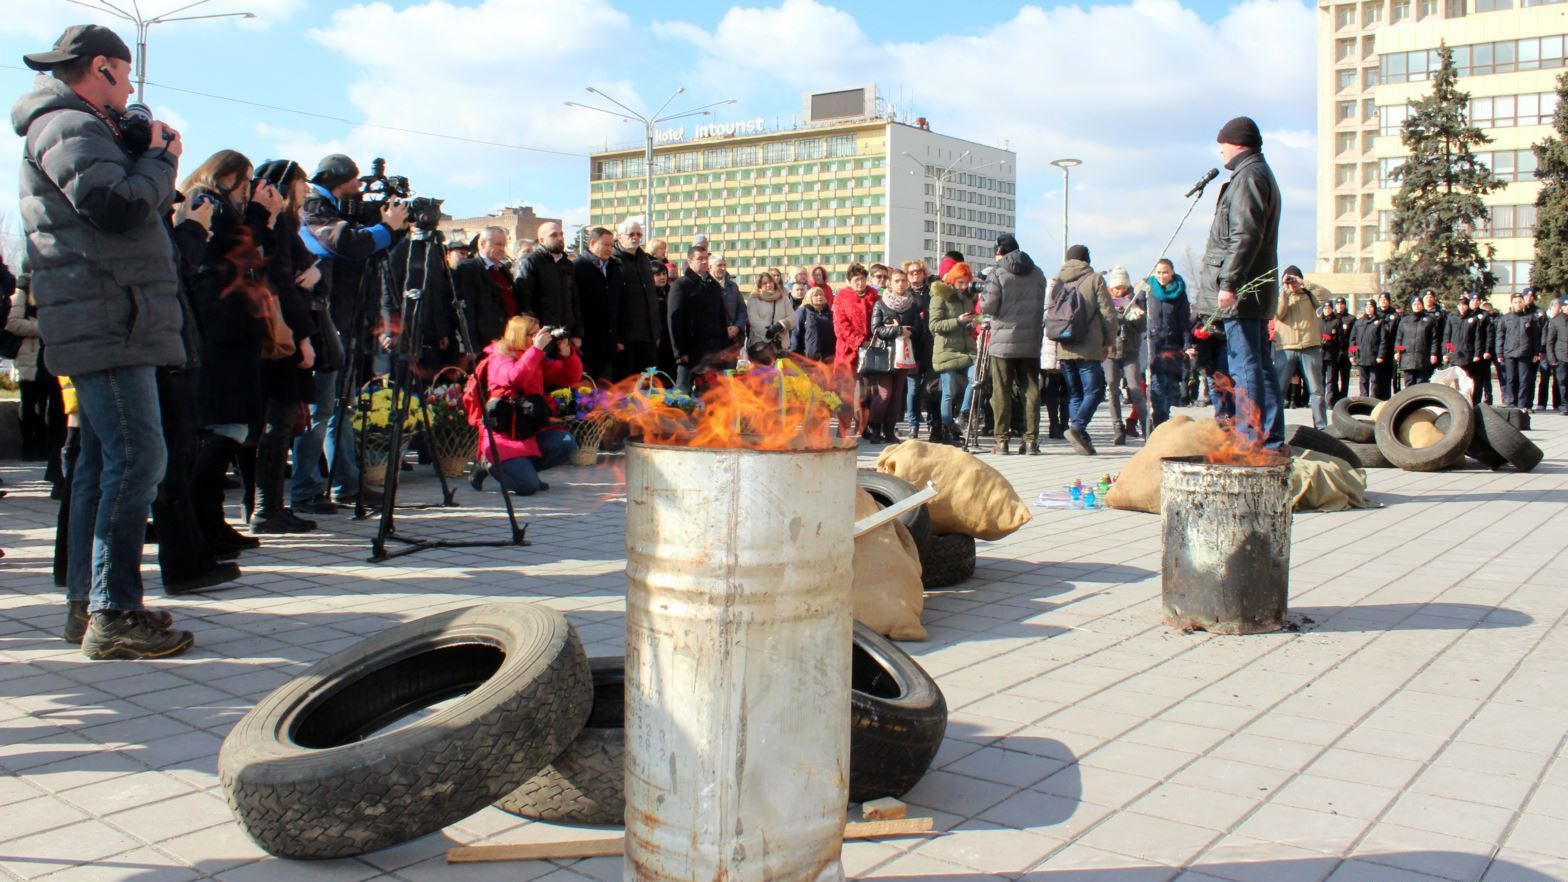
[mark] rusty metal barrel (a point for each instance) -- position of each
(738, 646)
(1226, 562)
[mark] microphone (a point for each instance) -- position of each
(1208, 176)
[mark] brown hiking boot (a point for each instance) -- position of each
(113, 634)
(76, 620)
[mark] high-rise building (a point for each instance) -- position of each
(1375, 56)
(850, 184)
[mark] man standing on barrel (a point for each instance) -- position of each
(1239, 266)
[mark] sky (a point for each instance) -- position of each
(465, 97)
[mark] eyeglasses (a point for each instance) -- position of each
(634, 235)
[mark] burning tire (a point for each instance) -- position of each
(1308, 438)
(311, 774)
(1352, 419)
(586, 783)
(1369, 454)
(897, 719)
(1506, 442)
(947, 560)
(888, 489)
(1449, 450)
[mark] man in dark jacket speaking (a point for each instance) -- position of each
(93, 201)
(1242, 255)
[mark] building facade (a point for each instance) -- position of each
(1378, 55)
(864, 190)
(520, 222)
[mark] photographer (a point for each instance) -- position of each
(529, 360)
(92, 209)
(770, 314)
(343, 247)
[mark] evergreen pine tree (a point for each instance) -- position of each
(1439, 200)
(1551, 219)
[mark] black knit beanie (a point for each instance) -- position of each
(1006, 244)
(1078, 252)
(1243, 131)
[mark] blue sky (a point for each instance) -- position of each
(1136, 89)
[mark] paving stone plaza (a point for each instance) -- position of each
(1410, 725)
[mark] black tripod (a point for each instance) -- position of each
(424, 248)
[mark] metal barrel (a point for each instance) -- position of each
(738, 646)
(1226, 561)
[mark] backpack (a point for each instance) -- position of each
(1067, 318)
(514, 416)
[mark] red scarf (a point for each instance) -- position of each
(503, 285)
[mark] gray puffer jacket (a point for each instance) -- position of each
(1015, 299)
(102, 261)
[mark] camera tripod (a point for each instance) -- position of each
(423, 248)
(982, 372)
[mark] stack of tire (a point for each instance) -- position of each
(1492, 436)
(946, 559)
(332, 764)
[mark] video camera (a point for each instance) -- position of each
(378, 190)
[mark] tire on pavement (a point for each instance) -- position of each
(1449, 451)
(1308, 438)
(1507, 442)
(1370, 456)
(1352, 418)
(897, 719)
(888, 489)
(586, 783)
(1517, 417)
(946, 560)
(317, 769)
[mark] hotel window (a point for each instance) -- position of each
(686, 162)
(1344, 16)
(776, 152)
(1344, 237)
(1344, 205)
(809, 148)
(1371, 14)
(841, 145)
(1343, 49)
(1347, 111)
(1401, 11)
(1344, 79)
(1344, 175)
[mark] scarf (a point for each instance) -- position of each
(897, 303)
(1177, 290)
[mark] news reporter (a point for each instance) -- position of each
(528, 360)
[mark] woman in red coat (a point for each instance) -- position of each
(852, 329)
(528, 360)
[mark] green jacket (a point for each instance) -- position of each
(952, 349)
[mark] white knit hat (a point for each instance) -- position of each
(1118, 277)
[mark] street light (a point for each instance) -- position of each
(1066, 165)
(143, 25)
(942, 178)
(649, 123)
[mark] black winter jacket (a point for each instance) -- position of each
(344, 247)
(910, 318)
(813, 334)
(1416, 341)
(287, 257)
(485, 311)
(226, 298)
(1555, 346)
(1518, 336)
(546, 288)
(599, 294)
(1244, 238)
(1390, 320)
(1169, 324)
(1366, 341)
(1462, 338)
(639, 318)
(698, 327)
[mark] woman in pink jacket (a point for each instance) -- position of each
(528, 360)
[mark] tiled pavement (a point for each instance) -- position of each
(1413, 729)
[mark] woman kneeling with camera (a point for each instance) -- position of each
(529, 360)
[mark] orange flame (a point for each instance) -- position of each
(1231, 446)
(789, 405)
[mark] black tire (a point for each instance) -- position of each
(948, 559)
(1517, 417)
(586, 783)
(1308, 438)
(1345, 419)
(1507, 442)
(310, 775)
(888, 489)
(1369, 454)
(1447, 452)
(897, 719)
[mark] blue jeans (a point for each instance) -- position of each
(1311, 363)
(121, 461)
(1085, 381)
(912, 399)
(1164, 387)
(1260, 409)
(324, 431)
(955, 389)
(521, 473)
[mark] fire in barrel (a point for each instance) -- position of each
(738, 634)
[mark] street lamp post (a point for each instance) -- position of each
(942, 178)
(650, 123)
(143, 25)
(1066, 165)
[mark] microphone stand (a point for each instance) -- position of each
(1197, 196)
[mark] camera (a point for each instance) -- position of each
(774, 333)
(136, 129)
(557, 333)
(201, 199)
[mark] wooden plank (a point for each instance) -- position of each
(614, 845)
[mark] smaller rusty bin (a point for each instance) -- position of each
(1226, 561)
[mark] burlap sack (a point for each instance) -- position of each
(1137, 488)
(972, 498)
(1419, 429)
(887, 595)
(1319, 482)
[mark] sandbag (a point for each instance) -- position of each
(1319, 482)
(1137, 488)
(888, 595)
(972, 498)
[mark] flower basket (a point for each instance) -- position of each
(452, 439)
(589, 431)
(373, 422)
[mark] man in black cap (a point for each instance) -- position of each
(1243, 254)
(1015, 299)
(343, 246)
(104, 279)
